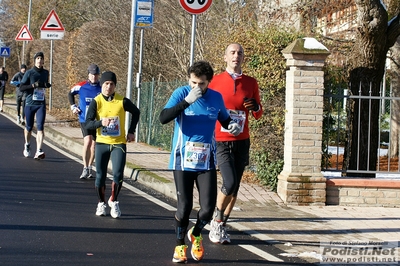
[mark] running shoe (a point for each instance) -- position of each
(90, 174)
(224, 237)
(39, 155)
(197, 250)
(215, 231)
(85, 173)
(18, 120)
(101, 209)
(180, 254)
(115, 211)
(27, 150)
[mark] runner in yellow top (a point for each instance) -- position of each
(106, 114)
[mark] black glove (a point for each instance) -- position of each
(251, 104)
(47, 85)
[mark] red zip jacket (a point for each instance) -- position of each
(234, 92)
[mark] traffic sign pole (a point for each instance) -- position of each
(194, 7)
(193, 40)
(131, 60)
(52, 29)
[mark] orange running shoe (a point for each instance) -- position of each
(180, 254)
(197, 250)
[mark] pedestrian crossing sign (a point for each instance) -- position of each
(5, 51)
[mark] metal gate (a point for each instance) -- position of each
(336, 131)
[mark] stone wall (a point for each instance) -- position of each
(363, 192)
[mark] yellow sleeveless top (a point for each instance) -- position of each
(114, 133)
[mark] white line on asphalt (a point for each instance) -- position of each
(150, 198)
(251, 232)
(261, 253)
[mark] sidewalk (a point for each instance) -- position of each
(297, 230)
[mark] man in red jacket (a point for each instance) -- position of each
(242, 98)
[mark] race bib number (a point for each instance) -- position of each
(197, 155)
(38, 94)
(113, 129)
(237, 116)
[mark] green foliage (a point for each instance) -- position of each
(267, 170)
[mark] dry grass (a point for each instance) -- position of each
(250, 178)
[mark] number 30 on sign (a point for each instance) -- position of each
(195, 6)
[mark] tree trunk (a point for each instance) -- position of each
(366, 73)
(395, 112)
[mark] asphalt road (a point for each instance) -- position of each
(47, 217)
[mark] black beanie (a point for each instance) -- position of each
(38, 54)
(23, 66)
(108, 76)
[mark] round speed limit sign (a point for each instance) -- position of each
(195, 6)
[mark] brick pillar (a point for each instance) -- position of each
(301, 181)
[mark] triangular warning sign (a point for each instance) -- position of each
(52, 23)
(24, 34)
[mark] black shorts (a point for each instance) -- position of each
(232, 159)
(2, 90)
(86, 132)
(236, 151)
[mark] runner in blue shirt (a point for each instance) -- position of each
(86, 90)
(195, 109)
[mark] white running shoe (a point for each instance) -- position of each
(224, 237)
(115, 211)
(218, 233)
(18, 120)
(85, 173)
(27, 150)
(39, 155)
(90, 174)
(215, 231)
(101, 209)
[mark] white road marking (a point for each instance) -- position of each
(150, 198)
(261, 253)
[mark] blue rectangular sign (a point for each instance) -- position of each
(5, 51)
(144, 13)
